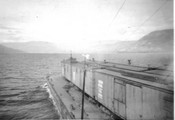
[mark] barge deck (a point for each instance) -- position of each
(68, 101)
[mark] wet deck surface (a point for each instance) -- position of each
(71, 96)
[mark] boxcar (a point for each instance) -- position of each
(132, 98)
(126, 95)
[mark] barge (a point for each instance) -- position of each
(67, 99)
(129, 92)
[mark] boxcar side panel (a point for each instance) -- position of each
(62, 69)
(153, 104)
(168, 105)
(119, 98)
(67, 74)
(81, 79)
(133, 102)
(122, 110)
(104, 90)
(116, 107)
(74, 75)
(109, 91)
(78, 74)
(99, 87)
(89, 83)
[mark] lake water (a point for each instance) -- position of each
(21, 79)
(22, 76)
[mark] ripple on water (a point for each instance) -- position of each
(21, 96)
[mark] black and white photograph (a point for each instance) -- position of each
(87, 59)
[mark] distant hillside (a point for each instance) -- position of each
(6, 50)
(157, 41)
(34, 47)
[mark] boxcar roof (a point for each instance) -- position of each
(124, 66)
(152, 70)
(167, 86)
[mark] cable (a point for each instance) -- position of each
(117, 12)
(151, 15)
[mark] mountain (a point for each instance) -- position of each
(156, 41)
(34, 47)
(160, 41)
(6, 50)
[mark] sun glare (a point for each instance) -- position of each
(62, 35)
(73, 29)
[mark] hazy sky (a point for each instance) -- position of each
(80, 23)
